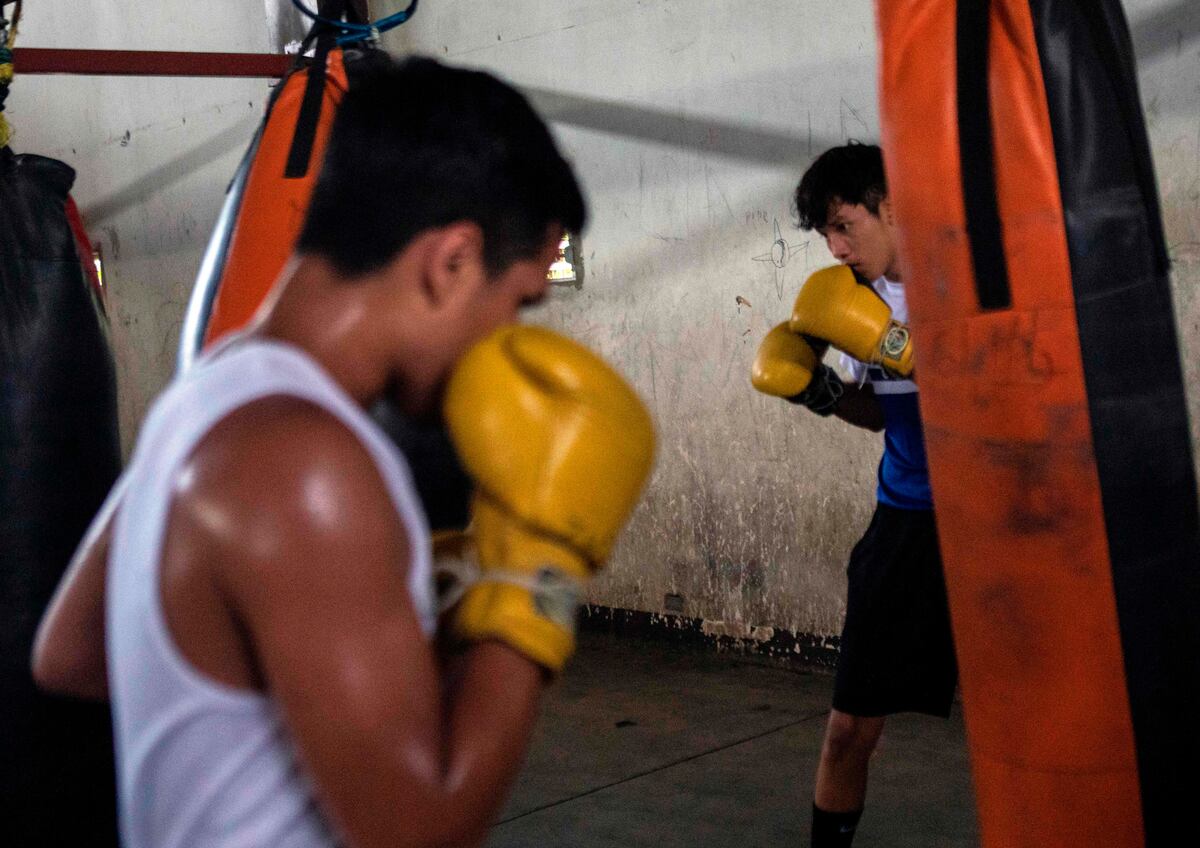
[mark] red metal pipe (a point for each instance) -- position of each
(149, 63)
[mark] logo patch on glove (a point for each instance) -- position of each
(556, 597)
(894, 341)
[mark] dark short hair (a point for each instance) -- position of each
(416, 145)
(852, 173)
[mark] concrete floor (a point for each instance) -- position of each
(643, 744)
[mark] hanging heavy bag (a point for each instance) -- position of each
(1020, 173)
(59, 455)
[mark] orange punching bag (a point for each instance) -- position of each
(1054, 412)
(265, 205)
(266, 202)
(272, 209)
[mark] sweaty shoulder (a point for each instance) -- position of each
(282, 478)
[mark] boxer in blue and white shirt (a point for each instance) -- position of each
(903, 471)
(896, 651)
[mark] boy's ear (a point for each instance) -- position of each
(453, 261)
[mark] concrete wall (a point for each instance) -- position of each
(1167, 41)
(689, 123)
(153, 155)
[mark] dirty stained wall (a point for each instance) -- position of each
(689, 123)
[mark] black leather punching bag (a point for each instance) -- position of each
(59, 455)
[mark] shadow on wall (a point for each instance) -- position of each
(1153, 34)
(231, 138)
(1167, 29)
(760, 146)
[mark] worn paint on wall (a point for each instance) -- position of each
(689, 124)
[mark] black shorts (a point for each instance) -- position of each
(897, 651)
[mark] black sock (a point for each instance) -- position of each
(833, 830)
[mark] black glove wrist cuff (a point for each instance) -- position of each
(823, 393)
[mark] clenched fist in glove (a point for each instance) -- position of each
(559, 446)
(835, 307)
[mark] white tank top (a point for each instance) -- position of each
(202, 764)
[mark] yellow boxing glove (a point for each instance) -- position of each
(786, 366)
(559, 446)
(834, 306)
